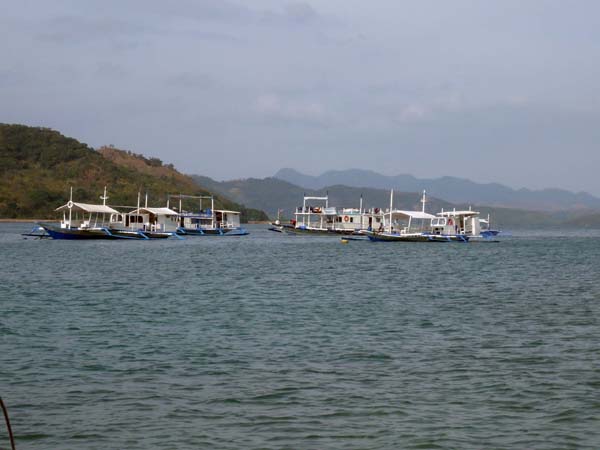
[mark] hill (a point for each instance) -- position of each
(270, 194)
(39, 165)
(452, 189)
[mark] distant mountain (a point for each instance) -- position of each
(271, 194)
(456, 190)
(39, 165)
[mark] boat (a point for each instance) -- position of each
(414, 226)
(467, 222)
(322, 219)
(206, 221)
(82, 221)
(145, 222)
(95, 221)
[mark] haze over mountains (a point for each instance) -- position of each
(451, 189)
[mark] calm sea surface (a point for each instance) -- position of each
(273, 341)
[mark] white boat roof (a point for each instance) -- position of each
(226, 211)
(87, 207)
(458, 213)
(156, 211)
(413, 214)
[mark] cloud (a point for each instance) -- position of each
(300, 12)
(191, 80)
(303, 112)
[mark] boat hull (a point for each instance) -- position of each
(314, 231)
(76, 234)
(139, 234)
(415, 237)
(212, 232)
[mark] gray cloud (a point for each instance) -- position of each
(503, 91)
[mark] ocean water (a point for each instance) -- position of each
(272, 341)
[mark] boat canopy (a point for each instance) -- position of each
(226, 211)
(413, 214)
(156, 211)
(88, 208)
(458, 213)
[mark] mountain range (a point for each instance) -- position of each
(451, 189)
(271, 194)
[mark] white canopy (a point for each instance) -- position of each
(458, 213)
(413, 214)
(156, 211)
(88, 208)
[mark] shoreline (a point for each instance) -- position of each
(27, 220)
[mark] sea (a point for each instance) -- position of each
(271, 341)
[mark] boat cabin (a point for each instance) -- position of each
(457, 222)
(85, 215)
(147, 219)
(326, 218)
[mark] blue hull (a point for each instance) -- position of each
(212, 232)
(70, 234)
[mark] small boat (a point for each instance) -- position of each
(83, 221)
(466, 222)
(324, 220)
(414, 226)
(207, 221)
(145, 223)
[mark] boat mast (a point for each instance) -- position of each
(212, 210)
(137, 211)
(70, 206)
(423, 200)
(104, 198)
(391, 205)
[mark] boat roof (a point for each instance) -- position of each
(458, 213)
(156, 211)
(226, 211)
(87, 207)
(413, 214)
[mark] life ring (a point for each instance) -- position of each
(450, 222)
(346, 219)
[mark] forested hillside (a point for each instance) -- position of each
(38, 166)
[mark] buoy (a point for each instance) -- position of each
(345, 241)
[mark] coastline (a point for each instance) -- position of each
(27, 220)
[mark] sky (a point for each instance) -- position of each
(503, 91)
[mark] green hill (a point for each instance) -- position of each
(38, 166)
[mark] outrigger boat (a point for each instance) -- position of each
(208, 221)
(93, 221)
(155, 223)
(414, 226)
(467, 222)
(326, 220)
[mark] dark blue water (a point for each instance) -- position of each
(270, 341)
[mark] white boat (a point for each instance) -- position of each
(207, 221)
(467, 222)
(315, 216)
(150, 221)
(413, 226)
(83, 220)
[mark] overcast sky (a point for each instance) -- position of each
(503, 91)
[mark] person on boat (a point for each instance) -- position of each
(381, 227)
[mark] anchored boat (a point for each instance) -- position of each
(207, 221)
(414, 226)
(322, 219)
(94, 221)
